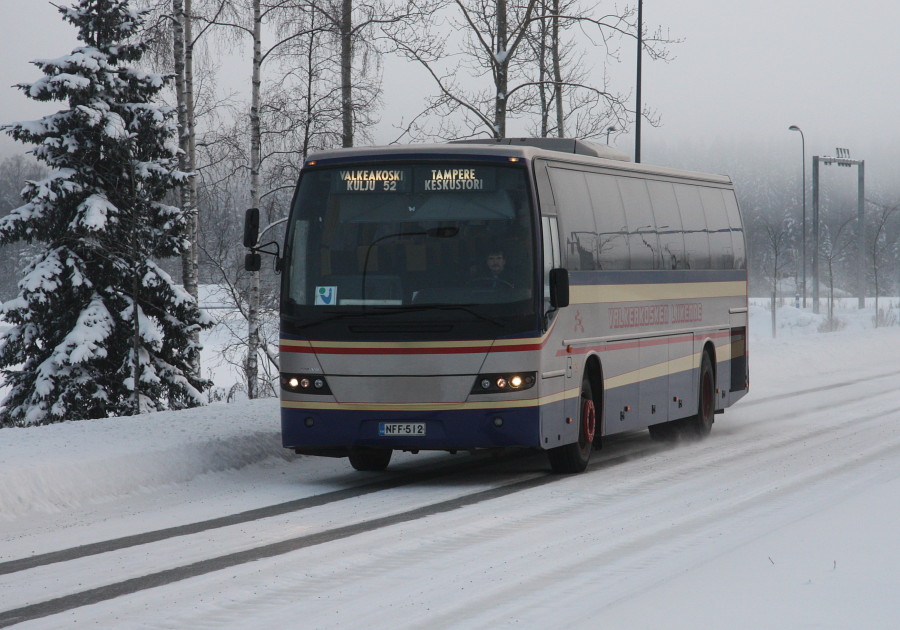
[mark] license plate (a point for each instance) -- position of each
(389, 429)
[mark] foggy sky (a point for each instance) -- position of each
(744, 73)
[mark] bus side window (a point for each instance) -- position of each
(574, 203)
(642, 232)
(720, 247)
(668, 222)
(611, 247)
(737, 230)
(550, 233)
(696, 239)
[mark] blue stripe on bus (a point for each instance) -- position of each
(444, 429)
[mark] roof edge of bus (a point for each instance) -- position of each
(561, 145)
(522, 147)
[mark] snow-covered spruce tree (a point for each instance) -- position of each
(78, 345)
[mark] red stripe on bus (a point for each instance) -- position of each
(447, 350)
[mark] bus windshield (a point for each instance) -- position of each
(446, 242)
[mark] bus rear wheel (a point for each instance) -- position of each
(700, 425)
(574, 458)
(370, 459)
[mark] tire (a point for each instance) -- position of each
(574, 458)
(370, 459)
(699, 426)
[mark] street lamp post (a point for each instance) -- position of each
(637, 110)
(803, 185)
(609, 130)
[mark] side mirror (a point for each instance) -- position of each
(559, 288)
(251, 228)
(252, 262)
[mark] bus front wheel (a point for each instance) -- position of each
(370, 459)
(573, 458)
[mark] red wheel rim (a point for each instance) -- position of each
(588, 419)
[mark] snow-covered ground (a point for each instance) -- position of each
(786, 517)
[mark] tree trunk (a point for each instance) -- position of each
(501, 76)
(252, 367)
(184, 97)
(190, 279)
(346, 72)
(136, 339)
(543, 51)
(557, 74)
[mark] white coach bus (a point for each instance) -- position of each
(535, 293)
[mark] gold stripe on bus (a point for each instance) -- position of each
(666, 368)
(605, 294)
(487, 404)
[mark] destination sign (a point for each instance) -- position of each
(453, 179)
(421, 179)
(372, 180)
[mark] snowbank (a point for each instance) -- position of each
(62, 466)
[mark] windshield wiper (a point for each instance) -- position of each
(394, 310)
(334, 316)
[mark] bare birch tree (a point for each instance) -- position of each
(776, 236)
(881, 244)
(492, 34)
(835, 244)
(536, 72)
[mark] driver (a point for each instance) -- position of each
(497, 275)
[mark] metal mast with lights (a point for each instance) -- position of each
(842, 159)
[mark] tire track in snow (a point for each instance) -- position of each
(297, 505)
(816, 390)
(177, 574)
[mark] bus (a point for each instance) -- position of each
(521, 293)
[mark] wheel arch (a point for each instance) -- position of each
(593, 368)
(709, 348)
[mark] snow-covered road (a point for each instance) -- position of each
(786, 517)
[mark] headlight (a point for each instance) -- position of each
(305, 384)
(508, 382)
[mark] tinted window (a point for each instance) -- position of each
(398, 234)
(551, 250)
(720, 247)
(611, 246)
(577, 216)
(668, 224)
(696, 240)
(737, 230)
(642, 237)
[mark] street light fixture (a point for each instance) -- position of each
(803, 186)
(609, 130)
